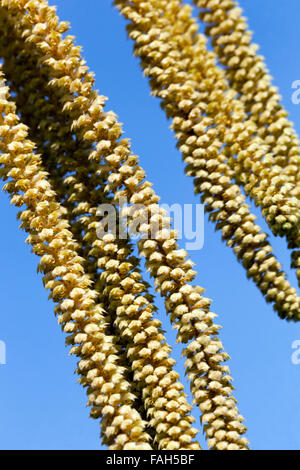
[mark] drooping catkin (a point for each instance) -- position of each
(63, 274)
(149, 354)
(249, 77)
(210, 382)
(120, 286)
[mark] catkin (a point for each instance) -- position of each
(249, 77)
(63, 274)
(210, 381)
(120, 286)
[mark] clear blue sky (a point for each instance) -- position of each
(41, 405)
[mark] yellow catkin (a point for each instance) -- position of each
(172, 55)
(149, 354)
(190, 313)
(81, 318)
(122, 291)
(249, 77)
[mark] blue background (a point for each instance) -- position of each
(41, 405)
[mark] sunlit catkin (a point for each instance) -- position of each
(108, 392)
(109, 261)
(249, 77)
(210, 382)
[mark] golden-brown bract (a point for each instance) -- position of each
(190, 313)
(81, 318)
(121, 289)
(173, 55)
